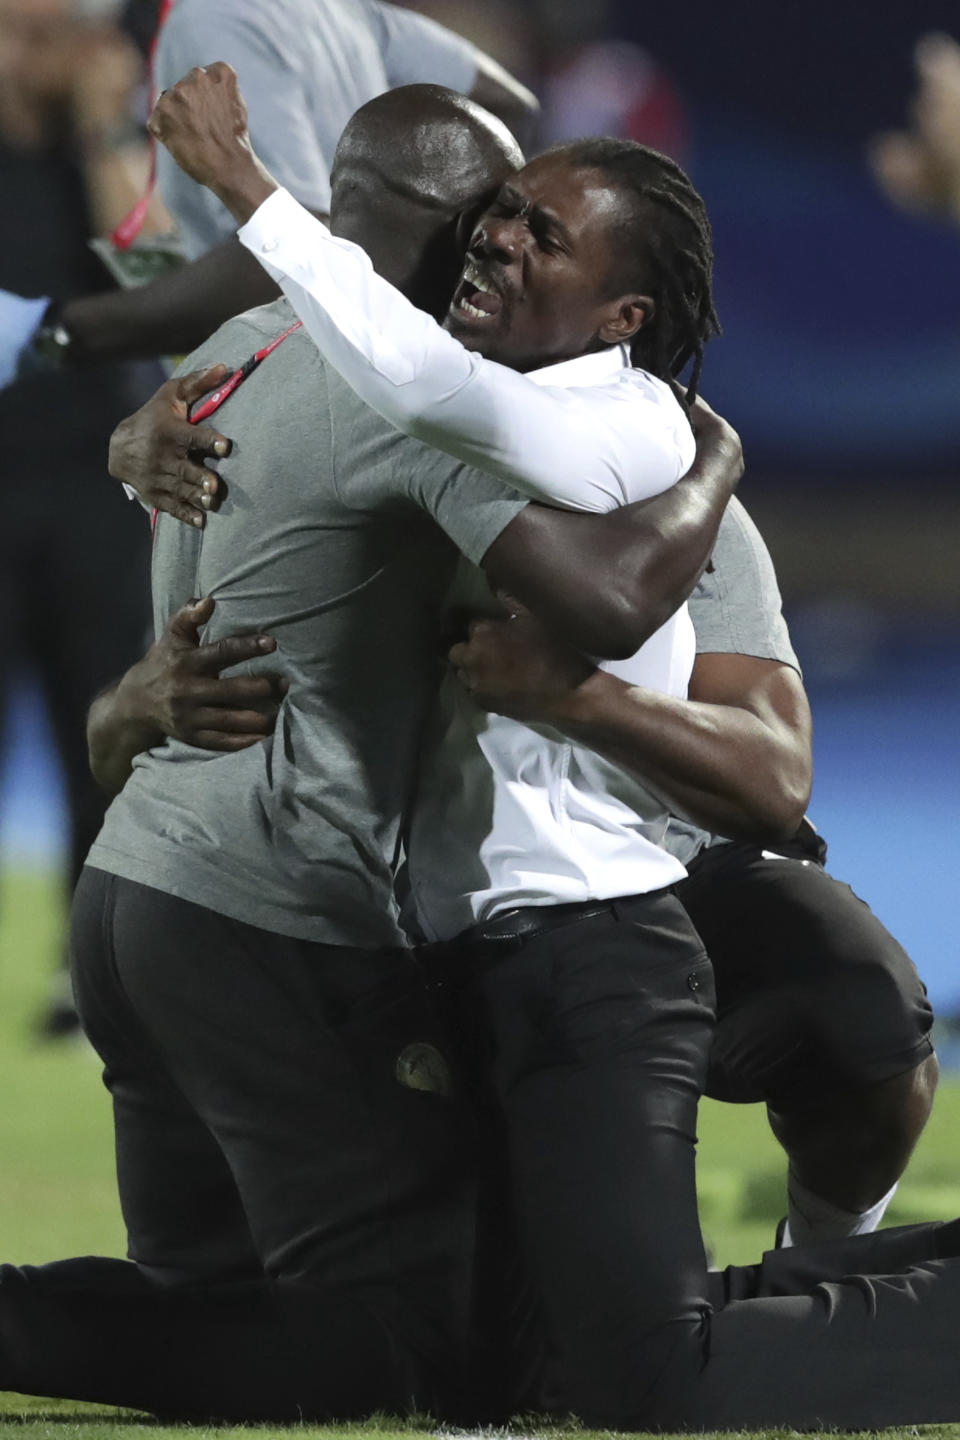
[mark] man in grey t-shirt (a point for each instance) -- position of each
(332, 551)
(821, 1014)
(294, 1165)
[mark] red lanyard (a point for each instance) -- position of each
(131, 225)
(213, 402)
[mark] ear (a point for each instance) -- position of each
(625, 317)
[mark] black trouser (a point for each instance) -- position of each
(814, 995)
(597, 1033)
(294, 1172)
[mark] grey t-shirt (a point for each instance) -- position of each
(304, 67)
(736, 610)
(324, 542)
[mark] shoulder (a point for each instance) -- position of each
(240, 337)
(740, 547)
(191, 20)
(660, 409)
(199, 31)
(736, 606)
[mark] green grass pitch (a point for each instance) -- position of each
(57, 1194)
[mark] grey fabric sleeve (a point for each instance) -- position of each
(282, 126)
(736, 606)
(471, 507)
(418, 50)
(376, 467)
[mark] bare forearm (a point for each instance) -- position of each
(115, 737)
(722, 767)
(174, 313)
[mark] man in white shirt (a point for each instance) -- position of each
(601, 1017)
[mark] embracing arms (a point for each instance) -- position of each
(734, 757)
(177, 690)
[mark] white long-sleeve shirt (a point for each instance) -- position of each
(506, 815)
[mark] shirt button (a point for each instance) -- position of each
(269, 245)
(693, 982)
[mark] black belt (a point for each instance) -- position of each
(486, 943)
(529, 920)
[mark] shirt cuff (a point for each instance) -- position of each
(271, 223)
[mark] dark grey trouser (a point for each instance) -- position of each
(297, 1186)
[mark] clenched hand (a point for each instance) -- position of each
(516, 667)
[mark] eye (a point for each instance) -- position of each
(547, 239)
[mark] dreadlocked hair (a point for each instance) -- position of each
(665, 247)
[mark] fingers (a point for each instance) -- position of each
(209, 442)
(234, 692)
(245, 723)
(192, 491)
(514, 607)
(220, 72)
(197, 383)
(219, 740)
(485, 627)
(184, 624)
(233, 650)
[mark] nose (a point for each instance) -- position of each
(499, 237)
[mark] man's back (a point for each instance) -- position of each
(299, 834)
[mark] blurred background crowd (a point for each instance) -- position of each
(826, 143)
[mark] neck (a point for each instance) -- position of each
(415, 258)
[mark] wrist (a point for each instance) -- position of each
(131, 710)
(577, 706)
(243, 186)
(51, 346)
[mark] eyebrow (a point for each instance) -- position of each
(545, 219)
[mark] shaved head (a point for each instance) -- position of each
(408, 165)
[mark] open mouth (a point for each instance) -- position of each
(475, 296)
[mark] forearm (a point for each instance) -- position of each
(723, 767)
(174, 313)
(115, 736)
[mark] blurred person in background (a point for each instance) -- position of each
(919, 167)
(73, 582)
(307, 65)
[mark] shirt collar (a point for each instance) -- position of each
(591, 369)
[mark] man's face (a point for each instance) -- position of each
(534, 284)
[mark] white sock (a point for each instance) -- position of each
(810, 1218)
